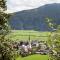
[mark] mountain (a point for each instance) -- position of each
(34, 19)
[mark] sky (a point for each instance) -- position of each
(19, 5)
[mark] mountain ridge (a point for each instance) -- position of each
(34, 19)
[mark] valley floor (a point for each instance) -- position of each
(18, 35)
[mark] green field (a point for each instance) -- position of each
(18, 35)
(34, 57)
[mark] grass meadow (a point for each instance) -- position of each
(34, 57)
(18, 35)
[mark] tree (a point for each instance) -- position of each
(6, 50)
(50, 23)
(54, 41)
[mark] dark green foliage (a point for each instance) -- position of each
(3, 4)
(6, 48)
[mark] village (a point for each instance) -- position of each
(25, 48)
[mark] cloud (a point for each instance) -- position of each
(19, 5)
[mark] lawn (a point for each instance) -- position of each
(34, 57)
